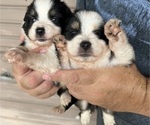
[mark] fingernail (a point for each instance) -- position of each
(46, 77)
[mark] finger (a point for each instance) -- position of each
(43, 88)
(79, 76)
(49, 93)
(19, 70)
(63, 76)
(31, 80)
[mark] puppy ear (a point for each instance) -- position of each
(29, 8)
(25, 17)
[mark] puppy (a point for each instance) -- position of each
(91, 44)
(43, 20)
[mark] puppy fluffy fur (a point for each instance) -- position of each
(43, 20)
(86, 46)
(92, 44)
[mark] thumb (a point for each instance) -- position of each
(78, 76)
(64, 76)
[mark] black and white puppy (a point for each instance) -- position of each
(43, 20)
(91, 44)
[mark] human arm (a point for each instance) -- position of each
(121, 89)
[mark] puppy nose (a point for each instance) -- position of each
(40, 31)
(85, 45)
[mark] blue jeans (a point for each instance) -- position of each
(125, 119)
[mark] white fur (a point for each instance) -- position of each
(87, 28)
(65, 98)
(49, 58)
(47, 62)
(84, 104)
(108, 118)
(90, 21)
(85, 117)
(42, 8)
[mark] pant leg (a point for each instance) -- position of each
(124, 118)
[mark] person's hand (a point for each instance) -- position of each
(32, 82)
(116, 88)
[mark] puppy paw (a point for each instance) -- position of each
(85, 117)
(112, 29)
(58, 109)
(14, 55)
(65, 99)
(60, 42)
(109, 122)
(108, 119)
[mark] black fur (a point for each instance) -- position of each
(62, 14)
(73, 99)
(30, 17)
(23, 43)
(100, 34)
(70, 32)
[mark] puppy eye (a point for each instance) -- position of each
(73, 32)
(33, 19)
(97, 32)
(55, 19)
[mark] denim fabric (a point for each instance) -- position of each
(125, 119)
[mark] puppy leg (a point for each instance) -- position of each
(58, 109)
(36, 61)
(61, 108)
(112, 29)
(60, 42)
(85, 117)
(65, 98)
(61, 46)
(86, 111)
(108, 117)
(118, 43)
(16, 55)
(66, 101)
